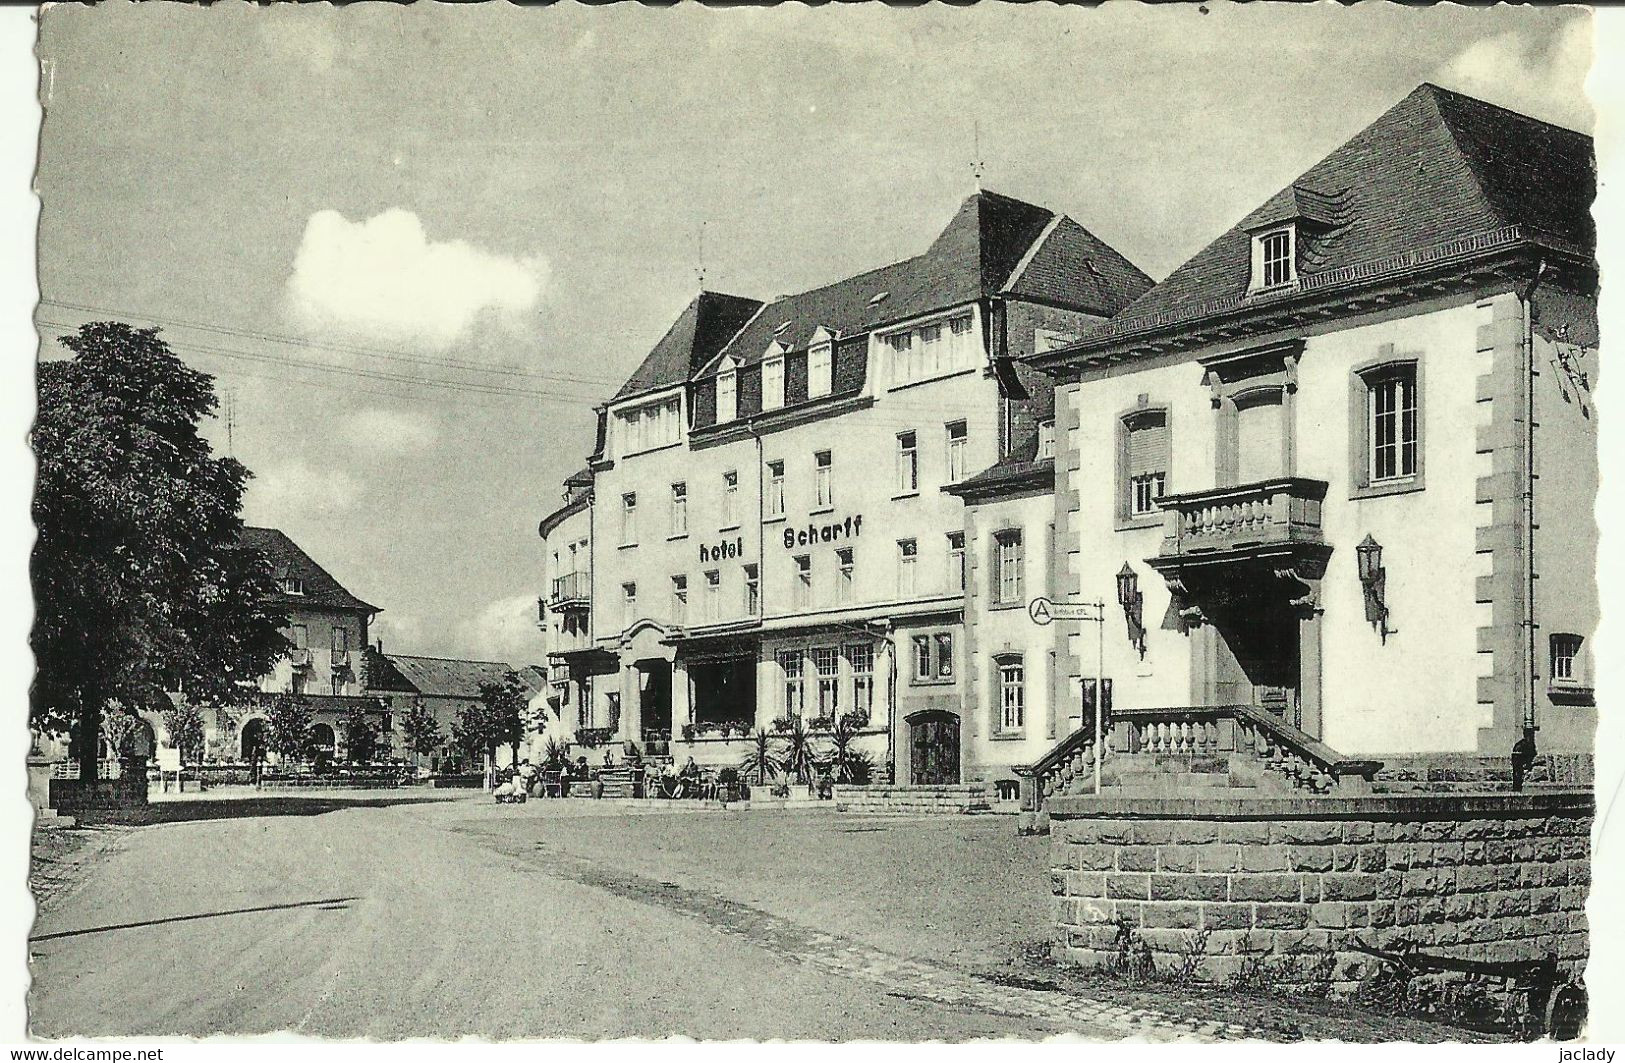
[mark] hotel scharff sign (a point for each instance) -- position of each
(832, 532)
(813, 534)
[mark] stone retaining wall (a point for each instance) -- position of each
(1288, 883)
(913, 800)
(74, 795)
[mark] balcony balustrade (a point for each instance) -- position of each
(573, 591)
(1231, 519)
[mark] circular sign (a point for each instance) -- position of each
(1041, 611)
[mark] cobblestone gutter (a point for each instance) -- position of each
(1226, 883)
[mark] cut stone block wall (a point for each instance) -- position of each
(914, 800)
(1239, 882)
(75, 795)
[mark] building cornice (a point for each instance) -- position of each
(1457, 265)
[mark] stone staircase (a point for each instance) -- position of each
(1191, 751)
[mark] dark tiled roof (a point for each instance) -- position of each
(1074, 267)
(441, 676)
(1007, 473)
(707, 323)
(288, 560)
(1437, 167)
(580, 478)
(973, 257)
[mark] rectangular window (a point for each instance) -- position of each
(908, 463)
(773, 383)
(823, 473)
(629, 597)
(1008, 563)
(1012, 695)
(860, 660)
(713, 595)
(1046, 440)
(845, 567)
(679, 599)
(827, 663)
(1275, 259)
(775, 488)
(730, 498)
(679, 510)
(908, 551)
(818, 371)
(956, 561)
(945, 654)
(727, 396)
(1146, 459)
(629, 519)
(301, 637)
(753, 590)
(790, 668)
(803, 590)
(958, 443)
(922, 658)
(1391, 423)
(341, 642)
(1566, 667)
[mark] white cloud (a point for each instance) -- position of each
(293, 491)
(384, 280)
(1543, 77)
(504, 630)
(390, 431)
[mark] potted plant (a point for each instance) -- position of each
(759, 763)
(800, 757)
(728, 784)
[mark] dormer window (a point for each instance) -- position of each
(819, 370)
(1274, 258)
(773, 381)
(293, 585)
(727, 395)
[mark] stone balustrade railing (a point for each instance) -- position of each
(1282, 510)
(1235, 737)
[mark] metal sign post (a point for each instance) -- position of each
(1043, 612)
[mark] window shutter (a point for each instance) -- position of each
(1148, 444)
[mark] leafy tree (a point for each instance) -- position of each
(184, 722)
(361, 737)
(141, 584)
(422, 731)
(506, 703)
(289, 729)
(118, 727)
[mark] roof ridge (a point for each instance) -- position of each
(1028, 255)
(1436, 90)
(1480, 187)
(431, 657)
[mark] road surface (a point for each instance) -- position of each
(450, 918)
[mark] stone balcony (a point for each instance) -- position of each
(1270, 521)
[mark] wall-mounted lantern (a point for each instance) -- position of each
(1373, 579)
(1130, 598)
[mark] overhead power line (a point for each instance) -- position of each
(332, 346)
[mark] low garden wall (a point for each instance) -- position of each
(914, 800)
(1228, 888)
(69, 796)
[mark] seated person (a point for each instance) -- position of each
(690, 770)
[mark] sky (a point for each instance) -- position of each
(325, 207)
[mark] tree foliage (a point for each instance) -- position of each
(289, 728)
(141, 584)
(422, 731)
(362, 742)
(497, 719)
(184, 722)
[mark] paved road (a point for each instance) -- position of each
(440, 920)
